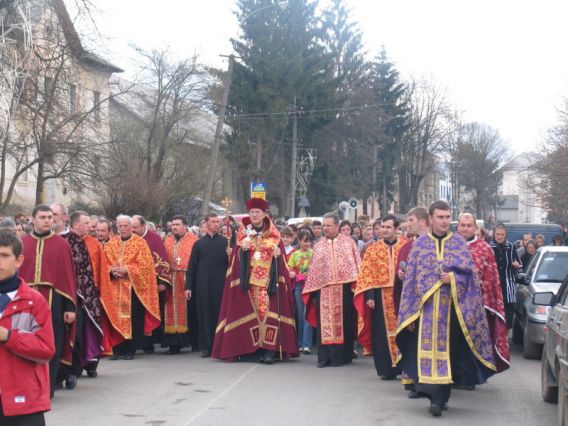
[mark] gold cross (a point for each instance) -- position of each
(226, 203)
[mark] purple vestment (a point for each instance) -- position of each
(427, 303)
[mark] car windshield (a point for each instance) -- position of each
(553, 268)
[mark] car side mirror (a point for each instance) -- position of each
(522, 278)
(544, 299)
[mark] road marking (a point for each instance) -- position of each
(221, 395)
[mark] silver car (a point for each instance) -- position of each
(554, 367)
(546, 271)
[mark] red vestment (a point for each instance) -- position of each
(250, 319)
(48, 268)
(488, 277)
(335, 263)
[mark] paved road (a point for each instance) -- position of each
(187, 390)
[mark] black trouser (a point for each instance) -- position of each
(138, 340)
(34, 419)
(509, 314)
(340, 353)
(379, 336)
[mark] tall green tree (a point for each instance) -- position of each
(343, 144)
(282, 58)
(392, 120)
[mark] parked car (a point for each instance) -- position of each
(545, 273)
(554, 364)
(515, 231)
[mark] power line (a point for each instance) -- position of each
(303, 112)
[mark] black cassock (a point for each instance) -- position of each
(206, 278)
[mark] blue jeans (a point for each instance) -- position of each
(305, 331)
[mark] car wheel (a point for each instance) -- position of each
(530, 350)
(549, 391)
(562, 403)
(517, 332)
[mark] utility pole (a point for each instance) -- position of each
(294, 160)
(217, 141)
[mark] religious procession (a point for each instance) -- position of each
(427, 304)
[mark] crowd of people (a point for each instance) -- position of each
(433, 308)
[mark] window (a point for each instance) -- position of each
(97, 106)
(553, 267)
(72, 99)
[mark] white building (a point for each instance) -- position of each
(520, 203)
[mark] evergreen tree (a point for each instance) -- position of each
(392, 120)
(281, 58)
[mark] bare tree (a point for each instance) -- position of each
(425, 138)
(159, 136)
(479, 155)
(56, 120)
(547, 176)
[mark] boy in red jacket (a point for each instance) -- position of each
(26, 342)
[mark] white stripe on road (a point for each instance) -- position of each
(225, 392)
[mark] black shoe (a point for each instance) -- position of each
(435, 410)
(206, 354)
(469, 387)
(173, 350)
(388, 377)
(413, 395)
(149, 350)
(269, 359)
(129, 357)
(322, 364)
(115, 357)
(71, 381)
(92, 373)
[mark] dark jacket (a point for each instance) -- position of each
(24, 370)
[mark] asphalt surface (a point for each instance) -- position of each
(187, 390)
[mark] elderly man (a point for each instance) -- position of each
(442, 335)
(163, 273)
(60, 218)
(256, 312)
(48, 268)
(328, 293)
(135, 294)
(488, 277)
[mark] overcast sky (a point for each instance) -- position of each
(503, 62)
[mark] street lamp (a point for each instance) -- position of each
(295, 145)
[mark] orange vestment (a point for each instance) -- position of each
(175, 309)
(135, 255)
(378, 269)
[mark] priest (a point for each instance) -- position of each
(442, 332)
(328, 294)
(179, 245)
(163, 273)
(48, 268)
(88, 342)
(110, 319)
(488, 276)
(205, 280)
(257, 314)
(374, 299)
(135, 293)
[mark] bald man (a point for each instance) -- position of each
(488, 277)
